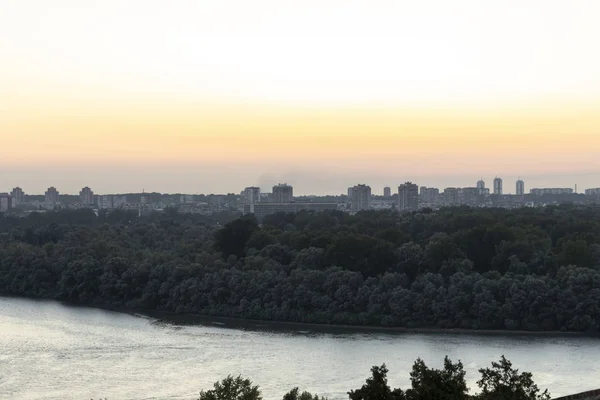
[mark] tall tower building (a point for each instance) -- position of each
(18, 196)
(51, 196)
(251, 195)
(361, 197)
(86, 196)
(498, 186)
(408, 197)
(520, 188)
(387, 192)
(481, 186)
(5, 202)
(283, 193)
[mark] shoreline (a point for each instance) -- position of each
(191, 319)
(305, 327)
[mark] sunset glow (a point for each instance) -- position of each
(218, 95)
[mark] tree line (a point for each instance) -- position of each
(535, 269)
(500, 382)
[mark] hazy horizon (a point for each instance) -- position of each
(211, 97)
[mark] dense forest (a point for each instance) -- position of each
(500, 382)
(524, 269)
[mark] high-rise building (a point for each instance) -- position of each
(283, 193)
(451, 196)
(387, 192)
(5, 202)
(469, 195)
(86, 196)
(251, 195)
(481, 186)
(361, 197)
(119, 201)
(105, 202)
(18, 196)
(52, 196)
(498, 186)
(592, 192)
(408, 197)
(429, 195)
(520, 188)
(260, 210)
(550, 191)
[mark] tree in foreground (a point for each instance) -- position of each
(448, 383)
(376, 387)
(295, 394)
(502, 382)
(232, 388)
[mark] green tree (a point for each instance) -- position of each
(295, 394)
(232, 238)
(502, 382)
(232, 388)
(431, 384)
(376, 387)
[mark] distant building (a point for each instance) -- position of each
(361, 197)
(261, 210)
(498, 186)
(18, 196)
(469, 195)
(86, 196)
(51, 196)
(387, 192)
(251, 195)
(105, 202)
(451, 196)
(283, 193)
(408, 197)
(266, 197)
(592, 192)
(481, 186)
(550, 191)
(429, 195)
(5, 202)
(109, 202)
(186, 199)
(119, 201)
(520, 188)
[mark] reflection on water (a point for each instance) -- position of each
(51, 351)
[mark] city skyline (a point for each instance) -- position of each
(432, 92)
(509, 187)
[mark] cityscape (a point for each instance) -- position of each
(407, 197)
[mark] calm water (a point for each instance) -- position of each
(50, 351)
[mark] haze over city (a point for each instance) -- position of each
(211, 97)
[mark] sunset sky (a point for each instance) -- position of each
(212, 96)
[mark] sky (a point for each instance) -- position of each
(213, 96)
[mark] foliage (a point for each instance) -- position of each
(295, 394)
(376, 387)
(232, 388)
(535, 269)
(502, 382)
(448, 383)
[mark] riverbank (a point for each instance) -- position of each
(190, 319)
(252, 324)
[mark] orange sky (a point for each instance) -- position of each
(197, 98)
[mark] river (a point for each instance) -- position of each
(52, 351)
